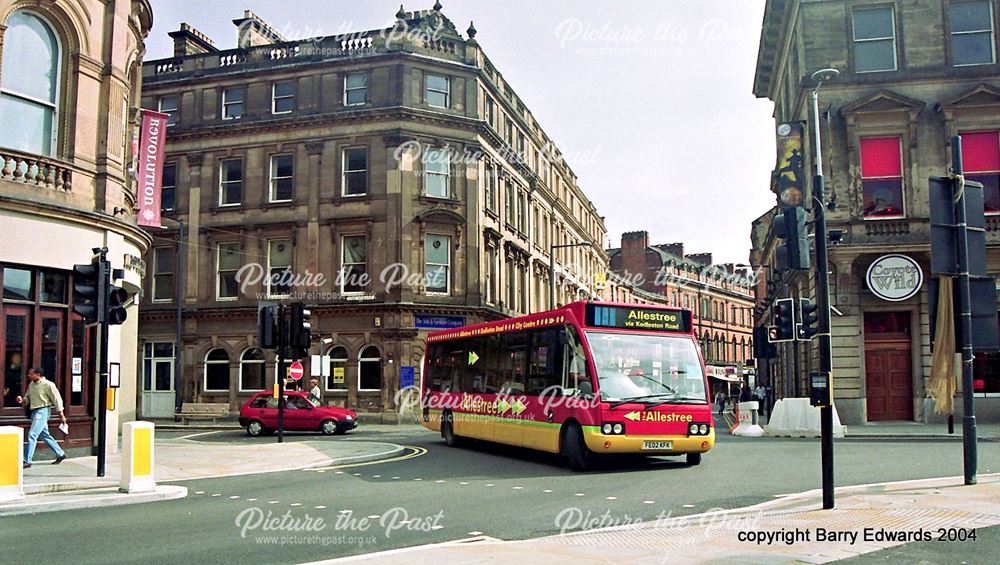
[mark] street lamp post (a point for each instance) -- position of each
(823, 294)
(552, 269)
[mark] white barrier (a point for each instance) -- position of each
(748, 426)
(795, 417)
(138, 461)
(11, 461)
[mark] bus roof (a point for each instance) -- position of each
(574, 313)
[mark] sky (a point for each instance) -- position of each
(650, 101)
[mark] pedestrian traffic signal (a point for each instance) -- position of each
(809, 317)
(784, 320)
(88, 290)
(793, 252)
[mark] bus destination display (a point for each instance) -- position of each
(638, 318)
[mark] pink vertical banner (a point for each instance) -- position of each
(149, 171)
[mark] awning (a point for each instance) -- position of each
(727, 378)
(720, 373)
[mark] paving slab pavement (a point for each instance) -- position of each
(74, 482)
(791, 530)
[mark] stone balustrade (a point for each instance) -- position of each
(35, 170)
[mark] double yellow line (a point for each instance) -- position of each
(414, 452)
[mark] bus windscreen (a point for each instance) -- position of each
(661, 369)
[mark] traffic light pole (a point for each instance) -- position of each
(970, 455)
(280, 377)
(823, 307)
(104, 280)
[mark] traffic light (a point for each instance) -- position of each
(784, 320)
(809, 316)
(115, 301)
(762, 346)
(267, 327)
(300, 330)
(790, 226)
(88, 290)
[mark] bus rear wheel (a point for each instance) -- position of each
(693, 458)
(448, 430)
(574, 449)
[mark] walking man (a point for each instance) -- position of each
(42, 397)
(315, 394)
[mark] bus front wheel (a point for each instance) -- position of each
(574, 449)
(693, 458)
(448, 430)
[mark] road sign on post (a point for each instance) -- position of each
(295, 370)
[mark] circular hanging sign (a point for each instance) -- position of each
(895, 277)
(295, 370)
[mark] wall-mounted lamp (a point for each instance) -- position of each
(836, 237)
(327, 340)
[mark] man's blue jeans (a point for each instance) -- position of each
(40, 429)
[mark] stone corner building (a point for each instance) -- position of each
(912, 75)
(70, 73)
(399, 157)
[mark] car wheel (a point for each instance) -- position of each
(693, 458)
(448, 430)
(329, 427)
(255, 428)
(574, 449)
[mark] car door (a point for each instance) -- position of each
(299, 414)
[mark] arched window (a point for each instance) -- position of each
(29, 85)
(737, 353)
(252, 369)
(338, 368)
(370, 369)
(217, 370)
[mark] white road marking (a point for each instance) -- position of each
(319, 507)
(339, 473)
(518, 488)
(490, 484)
(439, 481)
(395, 478)
(199, 492)
(376, 476)
(357, 474)
(649, 502)
(296, 504)
(547, 490)
(611, 498)
(233, 497)
(475, 533)
(417, 479)
(437, 527)
(217, 494)
(578, 494)
(320, 470)
(377, 516)
(274, 501)
(251, 499)
(463, 483)
(689, 506)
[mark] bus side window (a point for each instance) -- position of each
(576, 361)
(515, 361)
(493, 353)
(435, 366)
(545, 367)
(475, 375)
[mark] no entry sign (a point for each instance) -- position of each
(295, 370)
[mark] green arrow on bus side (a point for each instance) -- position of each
(517, 407)
(502, 406)
(473, 358)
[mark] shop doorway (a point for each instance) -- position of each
(888, 366)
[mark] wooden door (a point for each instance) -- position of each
(889, 378)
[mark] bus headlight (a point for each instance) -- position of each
(703, 429)
(693, 429)
(606, 429)
(618, 428)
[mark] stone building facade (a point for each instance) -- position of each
(720, 297)
(912, 75)
(400, 157)
(70, 74)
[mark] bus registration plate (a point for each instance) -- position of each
(656, 445)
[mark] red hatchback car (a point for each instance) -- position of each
(260, 415)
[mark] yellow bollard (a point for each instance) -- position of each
(138, 461)
(11, 472)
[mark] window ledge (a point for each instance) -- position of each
(425, 199)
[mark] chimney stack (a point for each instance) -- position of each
(189, 41)
(253, 31)
(676, 249)
(701, 258)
